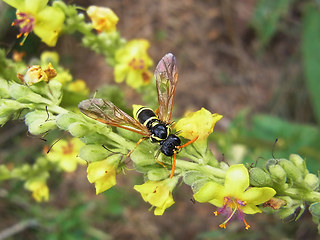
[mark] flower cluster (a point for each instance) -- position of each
(46, 97)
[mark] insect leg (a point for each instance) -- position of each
(141, 139)
(188, 143)
(173, 163)
(175, 155)
(156, 158)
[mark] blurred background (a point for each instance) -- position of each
(253, 61)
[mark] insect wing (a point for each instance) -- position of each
(106, 112)
(166, 76)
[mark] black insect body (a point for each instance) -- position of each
(148, 123)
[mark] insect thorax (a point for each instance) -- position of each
(159, 130)
(170, 145)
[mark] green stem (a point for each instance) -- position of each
(296, 193)
(57, 109)
(120, 141)
(215, 172)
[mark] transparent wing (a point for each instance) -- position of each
(106, 112)
(166, 76)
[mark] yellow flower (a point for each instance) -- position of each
(158, 194)
(65, 154)
(64, 77)
(132, 63)
(35, 74)
(103, 19)
(36, 16)
(39, 189)
(102, 174)
(78, 86)
(200, 123)
(49, 57)
(234, 195)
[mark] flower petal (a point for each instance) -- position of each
(18, 4)
(218, 202)
(120, 72)
(49, 22)
(134, 79)
(251, 209)
(257, 196)
(103, 19)
(169, 202)
(157, 193)
(34, 6)
(237, 181)
(208, 192)
(102, 174)
(199, 123)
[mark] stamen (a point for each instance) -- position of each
(225, 223)
(137, 64)
(232, 205)
(26, 23)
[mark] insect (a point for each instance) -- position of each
(148, 123)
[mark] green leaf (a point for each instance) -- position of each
(267, 16)
(311, 55)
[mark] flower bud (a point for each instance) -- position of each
(271, 162)
(291, 170)
(299, 162)
(190, 177)
(22, 171)
(92, 153)
(66, 119)
(158, 174)
(315, 209)
(259, 178)
(292, 213)
(143, 155)
(56, 91)
(38, 127)
(277, 173)
(78, 129)
(312, 181)
(39, 122)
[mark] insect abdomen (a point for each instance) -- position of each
(146, 116)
